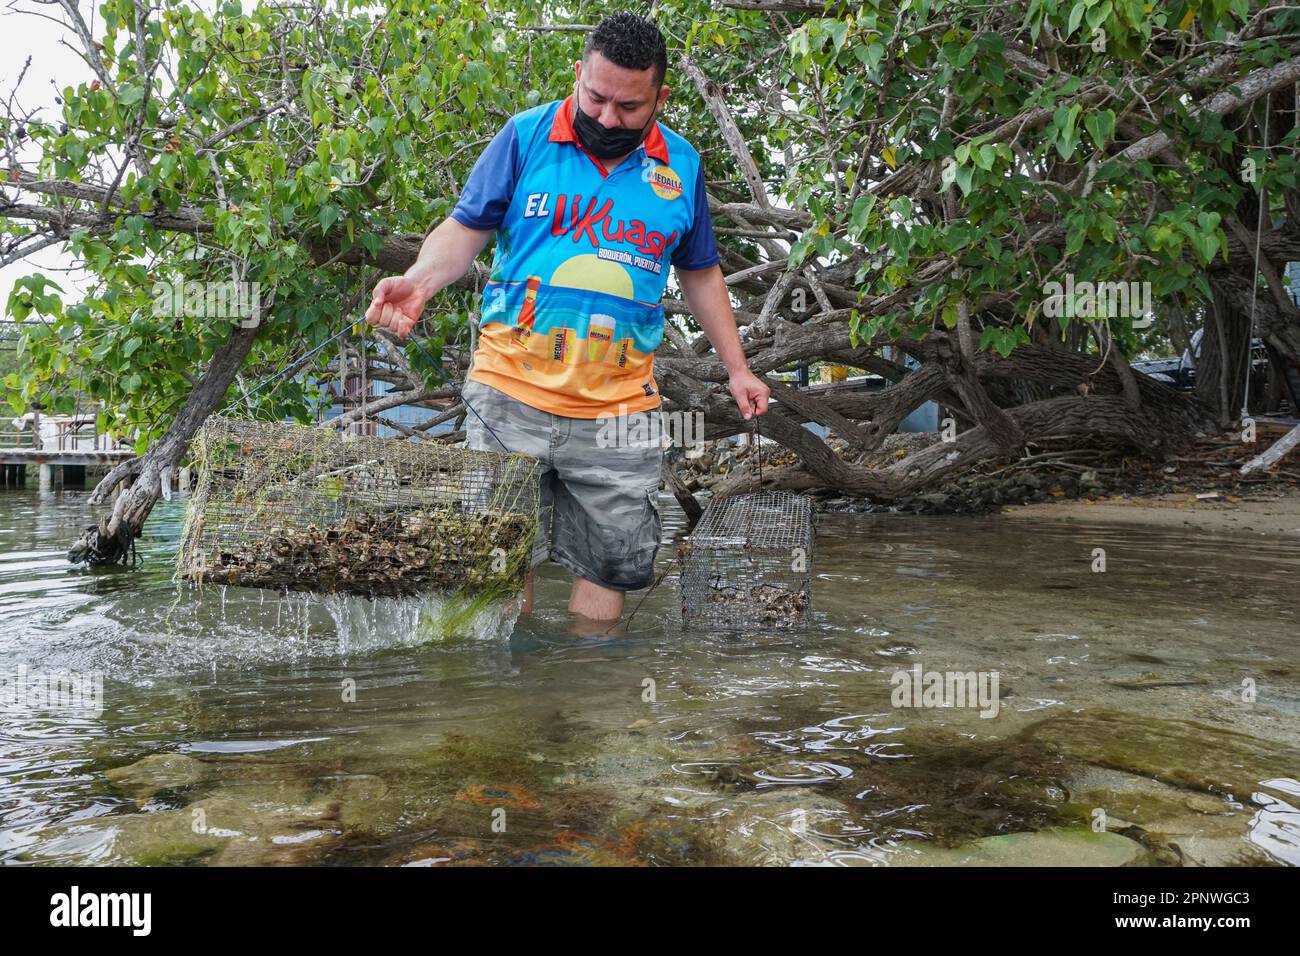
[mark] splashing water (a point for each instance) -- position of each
(412, 620)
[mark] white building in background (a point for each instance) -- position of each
(60, 432)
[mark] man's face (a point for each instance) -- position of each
(614, 96)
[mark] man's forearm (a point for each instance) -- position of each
(706, 296)
(446, 254)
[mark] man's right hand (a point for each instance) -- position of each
(396, 305)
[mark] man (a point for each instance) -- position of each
(590, 200)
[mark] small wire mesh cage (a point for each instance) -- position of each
(748, 564)
(302, 508)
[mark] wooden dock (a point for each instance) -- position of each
(54, 443)
(41, 456)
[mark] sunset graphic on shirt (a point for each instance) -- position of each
(588, 271)
(580, 330)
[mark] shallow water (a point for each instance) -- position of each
(243, 726)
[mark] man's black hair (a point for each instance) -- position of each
(632, 42)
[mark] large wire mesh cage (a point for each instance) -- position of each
(302, 508)
(748, 563)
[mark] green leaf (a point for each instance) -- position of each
(963, 179)
(329, 214)
(862, 207)
(1076, 235)
(839, 32)
(130, 94)
(1099, 14)
(1076, 15)
(1100, 126)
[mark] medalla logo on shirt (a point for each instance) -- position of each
(666, 183)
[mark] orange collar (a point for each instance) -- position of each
(562, 132)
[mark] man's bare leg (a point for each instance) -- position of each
(528, 596)
(595, 603)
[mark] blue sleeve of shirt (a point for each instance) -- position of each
(491, 184)
(697, 250)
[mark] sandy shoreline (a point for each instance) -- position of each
(1272, 512)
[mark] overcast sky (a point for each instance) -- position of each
(29, 30)
(26, 34)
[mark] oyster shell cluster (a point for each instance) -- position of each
(379, 553)
(761, 604)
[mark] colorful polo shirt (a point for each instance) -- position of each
(572, 310)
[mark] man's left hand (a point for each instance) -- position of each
(750, 393)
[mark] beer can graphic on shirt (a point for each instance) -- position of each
(600, 336)
(624, 346)
(527, 312)
(564, 345)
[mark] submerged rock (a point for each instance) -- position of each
(1179, 752)
(248, 825)
(1129, 799)
(1054, 847)
(156, 772)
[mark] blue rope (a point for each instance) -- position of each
(283, 371)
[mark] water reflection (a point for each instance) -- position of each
(1275, 829)
(304, 729)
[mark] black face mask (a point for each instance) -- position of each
(603, 142)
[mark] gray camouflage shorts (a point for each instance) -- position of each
(599, 498)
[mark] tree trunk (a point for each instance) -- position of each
(1223, 365)
(1156, 431)
(134, 503)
